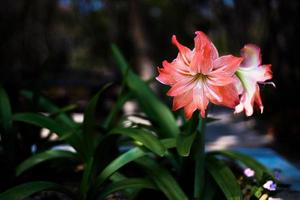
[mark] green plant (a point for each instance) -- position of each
(161, 156)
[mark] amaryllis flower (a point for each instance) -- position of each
(200, 76)
(250, 73)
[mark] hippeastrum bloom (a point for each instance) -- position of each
(200, 76)
(250, 73)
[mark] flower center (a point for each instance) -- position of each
(200, 77)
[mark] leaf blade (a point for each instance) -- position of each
(159, 113)
(23, 191)
(137, 183)
(119, 162)
(247, 160)
(51, 108)
(224, 178)
(43, 122)
(5, 110)
(146, 138)
(163, 179)
(42, 157)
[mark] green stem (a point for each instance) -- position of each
(199, 160)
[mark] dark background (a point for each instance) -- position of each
(62, 49)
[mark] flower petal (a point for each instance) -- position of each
(229, 94)
(203, 57)
(165, 77)
(199, 98)
(185, 52)
(251, 55)
(257, 99)
(182, 100)
(226, 64)
(189, 109)
(219, 79)
(181, 87)
(214, 51)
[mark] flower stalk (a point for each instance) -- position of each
(199, 156)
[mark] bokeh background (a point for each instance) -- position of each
(61, 49)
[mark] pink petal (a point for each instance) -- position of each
(230, 96)
(189, 109)
(251, 55)
(214, 51)
(203, 56)
(226, 64)
(184, 51)
(182, 100)
(181, 87)
(219, 79)
(176, 68)
(165, 77)
(246, 104)
(257, 99)
(200, 99)
(213, 93)
(267, 72)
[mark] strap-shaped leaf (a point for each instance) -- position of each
(126, 158)
(5, 110)
(186, 139)
(51, 108)
(159, 113)
(119, 162)
(224, 178)
(23, 191)
(42, 157)
(146, 138)
(184, 143)
(89, 112)
(248, 161)
(137, 183)
(89, 138)
(43, 122)
(164, 181)
(72, 136)
(86, 178)
(115, 110)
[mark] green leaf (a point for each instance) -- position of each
(138, 183)
(89, 138)
(159, 113)
(43, 122)
(184, 143)
(224, 178)
(25, 190)
(164, 181)
(126, 158)
(145, 137)
(186, 139)
(115, 110)
(5, 110)
(247, 160)
(89, 113)
(51, 108)
(42, 157)
(64, 109)
(119, 162)
(86, 178)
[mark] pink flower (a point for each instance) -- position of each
(250, 73)
(200, 76)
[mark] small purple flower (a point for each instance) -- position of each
(270, 185)
(249, 172)
(277, 174)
